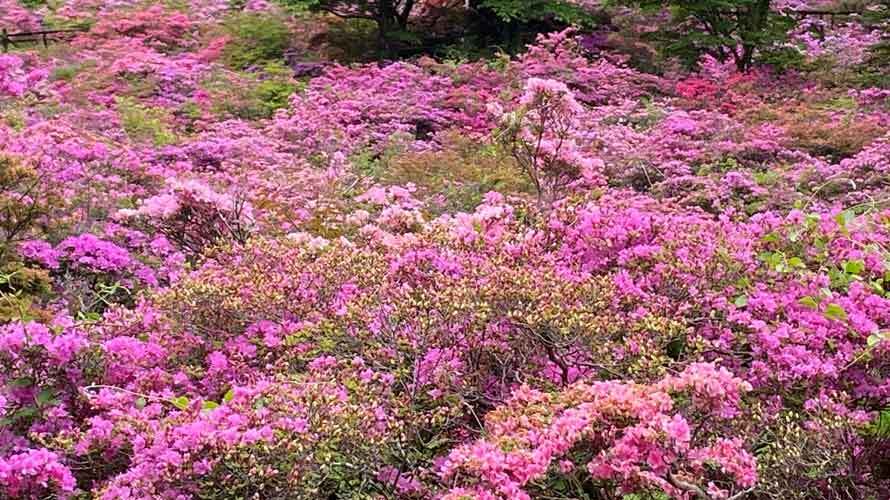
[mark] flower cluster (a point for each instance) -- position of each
(551, 275)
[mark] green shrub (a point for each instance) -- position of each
(273, 92)
(457, 176)
(352, 40)
(144, 124)
(23, 202)
(875, 71)
(66, 73)
(14, 119)
(21, 289)
(255, 38)
(825, 134)
(783, 59)
(33, 4)
(251, 96)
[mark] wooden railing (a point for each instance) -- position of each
(832, 15)
(8, 40)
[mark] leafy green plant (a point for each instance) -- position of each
(729, 30)
(524, 11)
(249, 96)
(880, 426)
(20, 289)
(389, 16)
(143, 123)
(104, 295)
(458, 176)
(66, 73)
(275, 89)
(254, 38)
(349, 39)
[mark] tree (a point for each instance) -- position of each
(509, 18)
(390, 16)
(726, 29)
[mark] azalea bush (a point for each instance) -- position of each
(230, 268)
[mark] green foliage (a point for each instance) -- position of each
(458, 176)
(33, 4)
(351, 38)
(828, 133)
(390, 16)
(23, 201)
(525, 11)
(66, 73)
(102, 296)
(15, 119)
(249, 96)
(725, 29)
(794, 459)
(875, 71)
(783, 58)
(255, 39)
(143, 123)
(880, 426)
(21, 288)
(273, 91)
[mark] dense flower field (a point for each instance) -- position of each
(546, 276)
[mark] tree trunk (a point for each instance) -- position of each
(385, 23)
(405, 14)
(754, 26)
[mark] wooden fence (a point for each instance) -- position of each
(8, 40)
(831, 15)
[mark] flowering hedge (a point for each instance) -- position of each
(551, 276)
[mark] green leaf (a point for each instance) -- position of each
(228, 395)
(809, 301)
(876, 338)
(741, 301)
(881, 425)
(835, 312)
(180, 402)
(20, 382)
(45, 397)
(20, 414)
(209, 405)
(811, 220)
(140, 403)
(676, 347)
(770, 238)
(844, 218)
(436, 443)
(854, 267)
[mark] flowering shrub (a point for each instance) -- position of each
(547, 276)
(626, 433)
(194, 216)
(35, 473)
(540, 137)
(14, 79)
